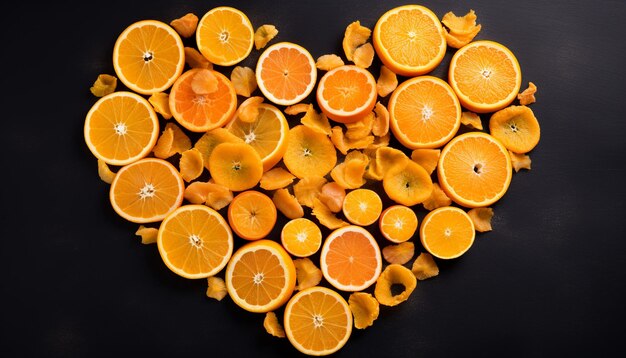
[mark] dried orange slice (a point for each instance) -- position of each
(447, 232)
(121, 128)
(409, 40)
(286, 73)
(267, 134)
(398, 223)
(301, 237)
(318, 321)
(408, 185)
(147, 190)
(252, 215)
(347, 93)
(350, 259)
(362, 207)
(364, 308)
(516, 127)
(148, 56)
(225, 36)
(474, 169)
(485, 75)
(260, 276)
(424, 112)
(307, 274)
(212, 139)
(309, 153)
(332, 195)
(393, 275)
(202, 112)
(236, 166)
(287, 204)
(195, 241)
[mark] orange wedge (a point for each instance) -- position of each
(252, 215)
(398, 223)
(362, 207)
(236, 166)
(485, 75)
(148, 56)
(347, 93)
(195, 241)
(286, 73)
(147, 190)
(301, 237)
(474, 169)
(225, 36)
(121, 128)
(447, 232)
(309, 153)
(424, 112)
(409, 40)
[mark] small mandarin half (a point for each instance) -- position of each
(347, 93)
(252, 215)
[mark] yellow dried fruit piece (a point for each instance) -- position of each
(460, 30)
(520, 161)
(273, 326)
(307, 274)
(104, 85)
(216, 288)
(427, 158)
(437, 199)
(481, 217)
(212, 139)
(172, 141)
(528, 95)
(263, 35)
(344, 144)
(105, 172)
(204, 82)
(424, 266)
(387, 81)
(316, 121)
(218, 196)
(328, 62)
(196, 192)
(332, 196)
(244, 80)
(160, 101)
(380, 124)
(325, 216)
(191, 164)
(383, 160)
(276, 178)
(363, 55)
(297, 109)
(361, 128)
(354, 36)
(249, 109)
(379, 142)
(394, 275)
(195, 59)
(148, 234)
(400, 253)
(185, 25)
(472, 120)
(308, 189)
(350, 174)
(287, 204)
(365, 309)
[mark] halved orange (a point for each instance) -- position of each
(318, 321)
(350, 259)
(398, 223)
(252, 215)
(301, 237)
(121, 128)
(474, 169)
(147, 190)
(485, 75)
(260, 276)
(225, 36)
(447, 232)
(409, 40)
(268, 134)
(347, 93)
(202, 112)
(309, 153)
(236, 166)
(148, 56)
(424, 112)
(362, 207)
(195, 241)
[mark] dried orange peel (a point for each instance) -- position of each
(527, 96)
(148, 234)
(244, 80)
(481, 217)
(263, 35)
(460, 30)
(307, 274)
(185, 25)
(104, 85)
(105, 173)
(287, 204)
(516, 127)
(365, 309)
(328, 62)
(394, 275)
(400, 253)
(216, 288)
(273, 326)
(520, 161)
(354, 36)
(425, 267)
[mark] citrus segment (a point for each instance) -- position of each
(309, 153)
(398, 223)
(252, 215)
(447, 232)
(516, 128)
(237, 166)
(287, 204)
(362, 207)
(301, 237)
(225, 36)
(347, 93)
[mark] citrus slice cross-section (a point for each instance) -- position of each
(236, 166)
(362, 207)
(301, 237)
(398, 223)
(225, 36)
(447, 232)
(252, 215)
(347, 93)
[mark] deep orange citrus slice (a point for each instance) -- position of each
(347, 93)
(252, 215)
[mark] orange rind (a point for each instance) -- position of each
(394, 275)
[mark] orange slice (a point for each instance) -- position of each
(398, 223)
(485, 75)
(267, 134)
(260, 276)
(202, 112)
(318, 321)
(301, 237)
(147, 190)
(286, 73)
(121, 128)
(236, 166)
(516, 127)
(252, 215)
(195, 241)
(225, 36)
(350, 259)
(347, 93)
(447, 232)
(309, 153)
(474, 169)
(409, 40)
(362, 207)
(424, 112)
(148, 56)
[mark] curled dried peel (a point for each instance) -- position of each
(363, 55)
(173, 140)
(424, 267)
(400, 253)
(520, 161)
(365, 309)
(427, 158)
(244, 81)
(344, 144)
(308, 189)
(104, 85)
(481, 217)
(216, 288)
(325, 216)
(328, 62)
(471, 120)
(185, 25)
(263, 35)
(354, 36)
(307, 274)
(148, 234)
(380, 125)
(204, 82)
(276, 178)
(379, 142)
(160, 101)
(104, 172)
(297, 109)
(197, 192)
(212, 139)
(273, 326)
(191, 164)
(460, 30)
(383, 160)
(387, 81)
(394, 275)
(214, 195)
(332, 196)
(361, 128)
(316, 121)
(249, 109)
(194, 59)
(528, 95)
(351, 173)
(287, 204)
(437, 199)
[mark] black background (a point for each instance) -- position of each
(548, 280)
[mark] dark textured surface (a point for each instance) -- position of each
(549, 279)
